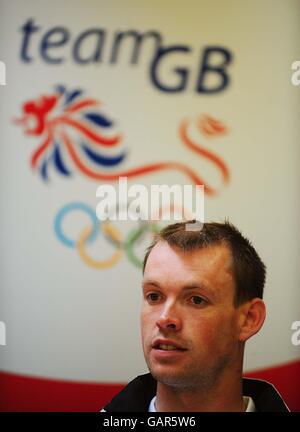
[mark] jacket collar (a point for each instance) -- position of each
(136, 396)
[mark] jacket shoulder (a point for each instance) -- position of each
(135, 397)
(265, 396)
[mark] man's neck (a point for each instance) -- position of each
(223, 397)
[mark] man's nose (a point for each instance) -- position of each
(169, 320)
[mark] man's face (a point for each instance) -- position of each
(188, 319)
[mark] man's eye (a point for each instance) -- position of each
(197, 300)
(152, 297)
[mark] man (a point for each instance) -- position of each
(202, 300)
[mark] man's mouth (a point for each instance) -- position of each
(167, 346)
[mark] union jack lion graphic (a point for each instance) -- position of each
(74, 130)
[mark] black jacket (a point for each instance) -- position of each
(137, 395)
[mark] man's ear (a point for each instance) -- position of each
(253, 314)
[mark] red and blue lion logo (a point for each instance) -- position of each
(70, 123)
(74, 132)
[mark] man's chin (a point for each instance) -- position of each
(170, 378)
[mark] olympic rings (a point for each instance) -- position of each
(92, 262)
(62, 213)
(135, 235)
(109, 232)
